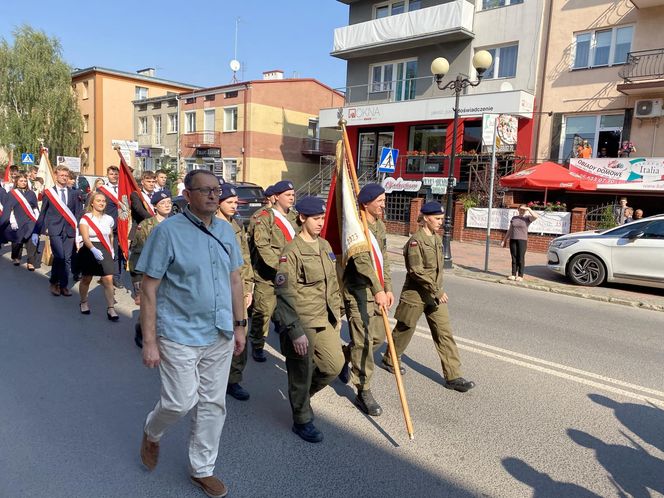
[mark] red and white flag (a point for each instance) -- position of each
(126, 185)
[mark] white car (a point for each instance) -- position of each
(629, 254)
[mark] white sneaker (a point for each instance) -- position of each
(519, 279)
(511, 277)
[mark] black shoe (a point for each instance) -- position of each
(258, 354)
(308, 432)
(390, 368)
(113, 318)
(117, 284)
(138, 335)
(460, 384)
(366, 402)
(344, 375)
(237, 391)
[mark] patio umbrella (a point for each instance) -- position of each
(548, 175)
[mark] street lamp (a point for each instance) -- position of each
(439, 68)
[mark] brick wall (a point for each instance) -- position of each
(397, 227)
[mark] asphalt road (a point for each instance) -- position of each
(568, 402)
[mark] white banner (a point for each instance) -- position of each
(73, 163)
(548, 222)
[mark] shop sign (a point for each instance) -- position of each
(619, 170)
(400, 185)
(506, 131)
(214, 152)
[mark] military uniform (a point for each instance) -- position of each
(268, 243)
(141, 233)
(308, 303)
(239, 362)
(421, 292)
(365, 324)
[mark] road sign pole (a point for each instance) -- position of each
(491, 181)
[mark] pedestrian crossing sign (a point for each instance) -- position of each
(388, 160)
(27, 158)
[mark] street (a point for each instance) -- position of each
(569, 402)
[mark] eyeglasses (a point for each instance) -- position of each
(206, 190)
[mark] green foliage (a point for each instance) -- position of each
(608, 220)
(36, 96)
(469, 200)
(171, 177)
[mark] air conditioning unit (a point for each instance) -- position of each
(648, 108)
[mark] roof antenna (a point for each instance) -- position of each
(235, 64)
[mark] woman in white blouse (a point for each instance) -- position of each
(96, 253)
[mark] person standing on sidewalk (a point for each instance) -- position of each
(275, 227)
(226, 212)
(517, 236)
(367, 289)
(191, 265)
(423, 293)
(307, 315)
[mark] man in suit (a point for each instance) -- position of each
(62, 208)
(110, 191)
(161, 177)
(141, 209)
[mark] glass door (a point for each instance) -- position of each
(405, 83)
(369, 147)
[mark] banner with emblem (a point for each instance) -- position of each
(126, 185)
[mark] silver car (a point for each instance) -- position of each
(630, 254)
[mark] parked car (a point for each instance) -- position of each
(250, 198)
(630, 254)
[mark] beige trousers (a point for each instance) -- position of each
(193, 377)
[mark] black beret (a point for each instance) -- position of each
(281, 187)
(432, 207)
(369, 192)
(310, 206)
(158, 196)
(269, 191)
(227, 190)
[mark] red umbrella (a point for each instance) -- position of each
(547, 176)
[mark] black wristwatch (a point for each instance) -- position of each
(240, 323)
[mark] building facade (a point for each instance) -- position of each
(258, 131)
(156, 123)
(105, 98)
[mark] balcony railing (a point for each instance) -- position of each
(389, 91)
(202, 139)
(318, 147)
(643, 65)
(450, 21)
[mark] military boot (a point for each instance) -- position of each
(344, 374)
(366, 402)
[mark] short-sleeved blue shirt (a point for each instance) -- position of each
(194, 300)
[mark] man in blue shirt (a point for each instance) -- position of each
(191, 264)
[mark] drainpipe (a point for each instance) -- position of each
(540, 91)
(245, 127)
(179, 159)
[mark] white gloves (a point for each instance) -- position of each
(12, 221)
(35, 239)
(97, 254)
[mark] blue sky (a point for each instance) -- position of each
(190, 42)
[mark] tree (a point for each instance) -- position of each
(37, 100)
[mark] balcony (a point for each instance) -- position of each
(444, 23)
(150, 141)
(201, 140)
(643, 72)
(318, 147)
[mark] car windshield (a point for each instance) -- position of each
(250, 193)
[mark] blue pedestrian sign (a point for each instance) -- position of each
(388, 160)
(27, 158)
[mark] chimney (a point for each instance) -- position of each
(277, 74)
(148, 71)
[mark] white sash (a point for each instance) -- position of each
(104, 189)
(284, 223)
(1, 207)
(377, 257)
(148, 203)
(62, 207)
(18, 195)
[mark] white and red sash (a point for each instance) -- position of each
(377, 257)
(284, 225)
(147, 203)
(103, 238)
(1, 208)
(62, 208)
(25, 205)
(109, 193)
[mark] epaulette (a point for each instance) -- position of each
(263, 213)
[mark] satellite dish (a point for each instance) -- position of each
(506, 86)
(235, 65)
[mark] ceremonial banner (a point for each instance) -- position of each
(126, 185)
(45, 170)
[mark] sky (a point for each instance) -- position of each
(190, 42)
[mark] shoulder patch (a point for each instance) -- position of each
(281, 279)
(138, 227)
(263, 213)
(333, 257)
(283, 259)
(413, 243)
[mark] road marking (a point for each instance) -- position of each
(555, 369)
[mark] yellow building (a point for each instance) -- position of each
(105, 98)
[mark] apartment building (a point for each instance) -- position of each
(604, 80)
(259, 131)
(106, 100)
(156, 123)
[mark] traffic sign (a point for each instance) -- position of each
(27, 158)
(388, 160)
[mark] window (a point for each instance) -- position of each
(504, 62)
(230, 95)
(143, 125)
(84, 92)
(156, 105)
(313, 130)
(172, 123)
(230, 170)
(86, 121)
(191, 100)
(602, 47)
(230, 119)
(209, 98)
(141, 93)
(654, 230)
(156, 122)
(602, 131)
(492, 4)
(190, 122)
(396, 7)
(428, 139)
(396, 78)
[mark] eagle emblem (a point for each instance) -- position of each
(123, 208)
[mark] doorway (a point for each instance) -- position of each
(370, 144)
(608, 143)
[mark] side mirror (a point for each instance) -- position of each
(635, 234)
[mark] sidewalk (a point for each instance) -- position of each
(468, 261)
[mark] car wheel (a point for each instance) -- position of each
(586, 269)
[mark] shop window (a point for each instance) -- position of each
(602, 131)
(472, 136)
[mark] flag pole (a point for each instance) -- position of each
(349, 163)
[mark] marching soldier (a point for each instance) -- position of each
(367, 289)
(275, 227)
(227, 209)
(269, 202)
(423, 293)
(307, 315)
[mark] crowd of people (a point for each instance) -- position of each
(206, 286)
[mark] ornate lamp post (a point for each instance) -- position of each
(439, 68)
